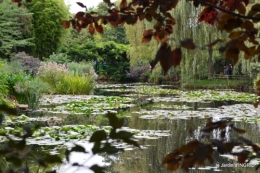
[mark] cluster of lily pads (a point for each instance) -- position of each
(237, 112)
(57, 135)
(193, 95)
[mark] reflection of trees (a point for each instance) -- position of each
(149, 160)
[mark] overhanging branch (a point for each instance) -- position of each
(226, 11)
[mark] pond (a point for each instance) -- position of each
(162, 119)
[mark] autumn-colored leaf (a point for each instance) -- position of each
(188, 44)
(123, 4)
(256, 16)
(65, 23)
(148, 17)
(238, 130)
(254, 9)
(177, 56)
(91, 29)
(213, 43)
(235, 34)
(189, 147)
(166, 60)
(157, 25)
(256, 104)
(79, 15)
(99, 28)
(241, 8)
(146, 39)
(159, 54)
(160, 35)
(81, 5)
(241, 156)
(232, 54)
(170, 157)
(16, 0)
(248, 25)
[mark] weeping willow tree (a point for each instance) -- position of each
(196, 64)
(140, 53)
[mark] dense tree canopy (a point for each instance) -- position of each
(228, 15)
(15, 29)
(47, 30)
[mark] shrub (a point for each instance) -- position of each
(3, 89)
(83, 69)
(79, 80)
(52, 73)
(138, 73)
(60, 58)
(29, 63)
(75, 84)
(32, 90)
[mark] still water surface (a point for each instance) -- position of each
(148, 160)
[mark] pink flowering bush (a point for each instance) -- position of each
(52, 73)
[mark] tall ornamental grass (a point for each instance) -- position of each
(75, 84)
(72, 78)
(52, 73)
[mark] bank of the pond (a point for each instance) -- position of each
(239, 85)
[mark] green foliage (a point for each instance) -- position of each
(83, 69)
(255, 69)
(48, 33)
(29, 64)
(32, 90)
(114, 55)
(3, 88)
(14, 29)
(59, 58)
(52, 73)
(75, 84)
(73, 78)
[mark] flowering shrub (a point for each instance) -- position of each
(73, 78)
(52, 73)
(29, 63)
(83, 69)
(138, 72)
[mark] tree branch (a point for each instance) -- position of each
(226, 11)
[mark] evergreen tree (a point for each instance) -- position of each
(15, 34)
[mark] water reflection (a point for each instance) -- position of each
(148, 160)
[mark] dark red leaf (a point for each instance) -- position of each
(188, 44)
(241, 8)
(80, 4)
(242, 156)
(238, 130)
(177, 56)
(79, 15)
(213, 43)
(123, 4)
(166, 60)
(147, 39)
(91, 29)
(65, 23)
(232, 54)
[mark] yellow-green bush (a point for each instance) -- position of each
(75, 84)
